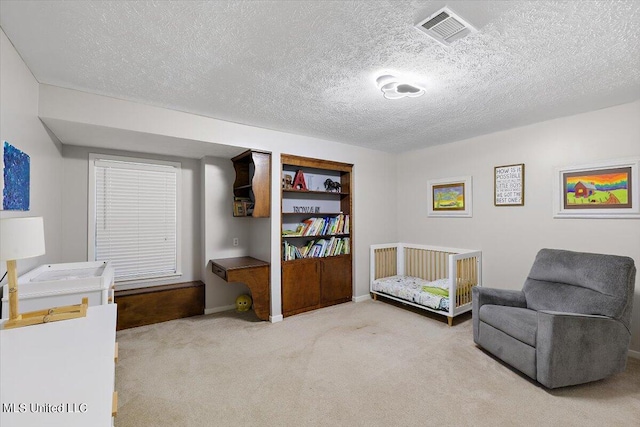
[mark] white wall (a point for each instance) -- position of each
(219, 229)
(511, 236)
(373, 175)
(20, 126)
(75, 205)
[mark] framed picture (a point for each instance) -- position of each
(247, 208)
(238, 208)
(600, 190)
(15, 178)
(450, 197)
(508, 185)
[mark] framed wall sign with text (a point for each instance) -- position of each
(508, 185)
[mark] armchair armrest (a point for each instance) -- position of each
(494, 296)
(576, 348)
(482, 296)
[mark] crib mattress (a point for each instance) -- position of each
(416, 290)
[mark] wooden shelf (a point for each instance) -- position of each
(332, 193)
(317, 257)
(242, 187)
(312, 213)
(316, 236)
(253, 181)
(315, 282)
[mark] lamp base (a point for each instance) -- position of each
(49, 315)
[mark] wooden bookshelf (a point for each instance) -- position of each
(252, 187)
(311, 282)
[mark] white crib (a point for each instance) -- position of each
(420, 275)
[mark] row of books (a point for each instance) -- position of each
(321, 226)
(316, 248)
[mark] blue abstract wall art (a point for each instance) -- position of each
(16, 176)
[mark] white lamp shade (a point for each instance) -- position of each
(21, 238)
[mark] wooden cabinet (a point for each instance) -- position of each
(300, 286)
(317, 233)
(336, 279)
(252, 187)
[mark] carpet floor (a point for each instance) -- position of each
(356, 364)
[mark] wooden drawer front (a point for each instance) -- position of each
(219, 271)
(145, 306)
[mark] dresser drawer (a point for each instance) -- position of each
(219, 271)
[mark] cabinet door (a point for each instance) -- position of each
(336, 278)
(300, 285)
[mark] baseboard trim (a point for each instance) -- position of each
(276, 319)
(634, 354)
(219, 309)
(272, 319)
(361, 298)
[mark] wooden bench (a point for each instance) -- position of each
(145, 306)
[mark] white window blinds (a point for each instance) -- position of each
(136, 220)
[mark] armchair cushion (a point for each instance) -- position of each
(580, 282)
(482, 296)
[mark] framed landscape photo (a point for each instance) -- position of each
(450, 197)
(508, 185)
(600, 190)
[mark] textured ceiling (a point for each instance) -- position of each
(309, 67)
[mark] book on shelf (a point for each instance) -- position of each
(308, 223)
(296, 232)
(318, 248)
(306, 248)
(325, 226)
(319, 226)
(290, 252)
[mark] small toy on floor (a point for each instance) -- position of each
(243, 303)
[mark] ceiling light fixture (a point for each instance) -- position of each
(393, 87)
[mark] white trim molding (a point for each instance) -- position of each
(361, 298)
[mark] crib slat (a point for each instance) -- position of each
(385, 262)
(467, 278)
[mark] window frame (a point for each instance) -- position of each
(137, 282)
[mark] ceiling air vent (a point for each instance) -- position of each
(445, 26)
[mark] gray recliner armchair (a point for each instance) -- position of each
(569, 325)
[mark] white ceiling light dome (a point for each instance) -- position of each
(393, 87)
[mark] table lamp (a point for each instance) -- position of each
(21, 238)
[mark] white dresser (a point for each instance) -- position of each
(60, 373)
(55, 285)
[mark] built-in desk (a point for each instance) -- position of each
(252, 272)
